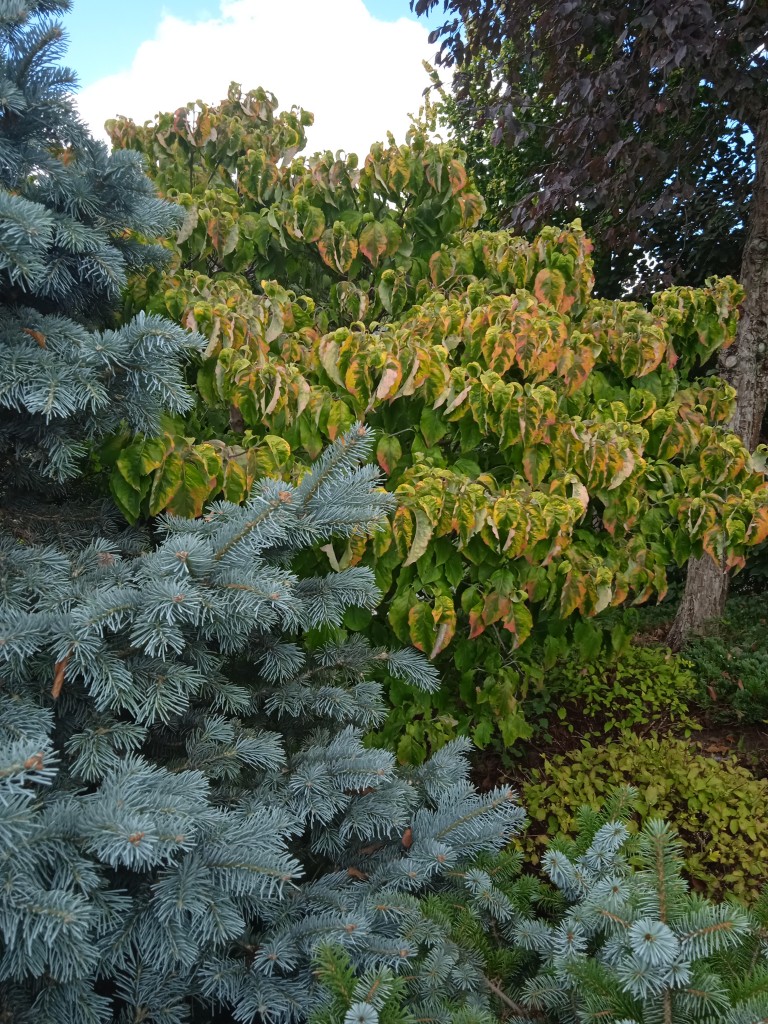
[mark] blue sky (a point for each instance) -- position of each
(105, 34)
(356, 64)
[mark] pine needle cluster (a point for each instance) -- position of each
(187, 809)
(611, 933)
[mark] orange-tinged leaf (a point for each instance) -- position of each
(328, 351)
(573, 594)
(373, 242)
(431, 629)
(402, 530)
(421, 627)
(624, 471)
(38, 336)
(472, 208)
(549, 288)
(445, 633)
(476, 624)
(390, 380)
(441, 267)
(519, 623)
(337, 248)
(496, 606)
(758, 527)
(457, 176)
(389, 451)
(339, 419)
(196, 485)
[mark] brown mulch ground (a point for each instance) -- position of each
(748, 743)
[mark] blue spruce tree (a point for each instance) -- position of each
(188, 812)
(614, 936)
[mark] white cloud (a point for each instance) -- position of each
(358, 75)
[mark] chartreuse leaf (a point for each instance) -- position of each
(138, 460)
(166, 482)
(340, 418)
(270, 457)
(235, 487)
(183, 484)
(128, 499)
(402, 531)
(421, 537)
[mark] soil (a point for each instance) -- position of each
(748, 743)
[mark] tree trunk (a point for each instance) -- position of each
(745, 366)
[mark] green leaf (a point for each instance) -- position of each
(235, 486)
(185, 480)
(411, 750)
(389, 452)
(421, 537)
(482, 734)
(519, 622)
(536, 462)
(432, 426)
(393, 291)
(338, 248)
(340, 418)
(128, 499)
(549, 288)
(379, 239)
(398, 613)
(139, 459)
(195, 486)
(588, 638)
(421, 626)
(513, 728)
(270, 457)
(357, 619)
(166, 483)
(454, 570)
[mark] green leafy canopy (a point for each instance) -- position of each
(552, 454)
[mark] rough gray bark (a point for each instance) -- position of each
(745, 366)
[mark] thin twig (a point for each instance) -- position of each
(518, 1008)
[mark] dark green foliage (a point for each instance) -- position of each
(731, 662)
(381, 996)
